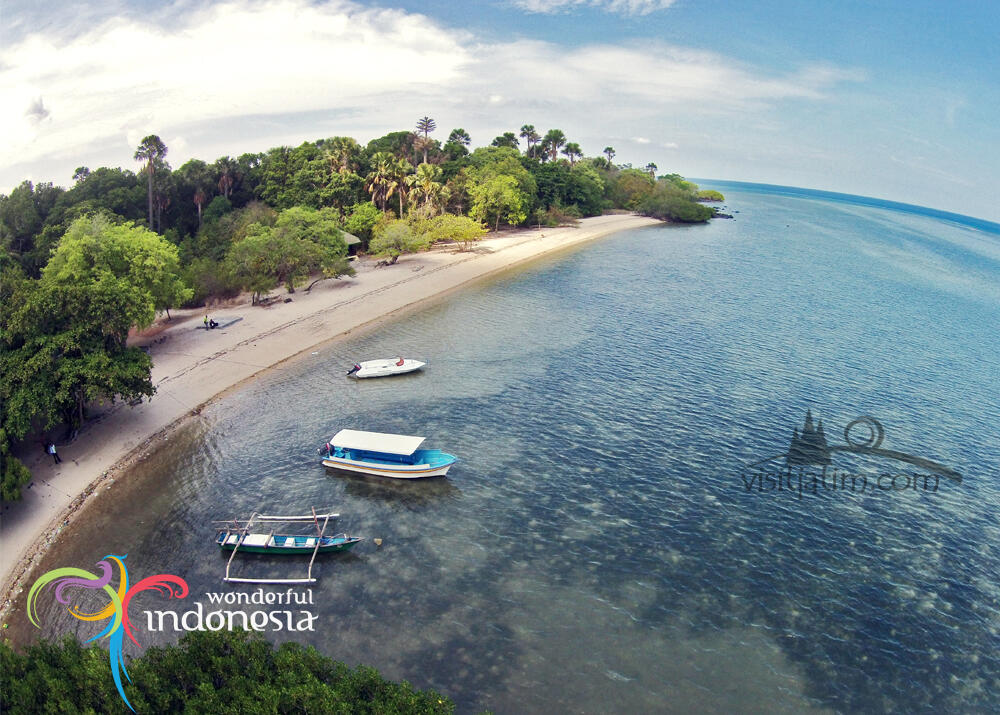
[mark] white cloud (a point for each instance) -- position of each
(336, 67)
(640, 140)
(625, 7)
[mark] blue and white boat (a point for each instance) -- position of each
(384, 455)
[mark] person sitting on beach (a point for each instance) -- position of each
(213, 324)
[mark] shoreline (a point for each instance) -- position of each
(193, 367)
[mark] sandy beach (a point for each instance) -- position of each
(191, 366)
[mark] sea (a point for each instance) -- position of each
(749, 466)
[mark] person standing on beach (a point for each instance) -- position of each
(206, 321)
(55, 455)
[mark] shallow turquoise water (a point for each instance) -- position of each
(596, 549)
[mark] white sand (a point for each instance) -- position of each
(191, 366)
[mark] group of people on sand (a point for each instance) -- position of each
(210, 323)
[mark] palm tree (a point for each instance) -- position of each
(380, 182)
(199, 200)
(426, 125)
(651, 168)
(572, 152)
(342, 153)
(427, 187)
(530, 136)
(553, 141)
(150, 150)
(609, 151)
(401, 169)
(227, 175)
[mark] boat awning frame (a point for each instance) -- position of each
(376, 442)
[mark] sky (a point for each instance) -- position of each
(884, 98)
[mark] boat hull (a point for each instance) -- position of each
(299, 546)
(394, 471)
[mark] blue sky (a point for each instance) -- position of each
(897, 100)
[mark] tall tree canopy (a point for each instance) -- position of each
(96, 249)
(151, 151)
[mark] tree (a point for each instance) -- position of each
(507, 139)
(553, 141)
(426, 125)
(572, 152)
(150, 150)
(609, 151)
(629, 187)
(426, 187)
(449, 227)
(361, 220)
(459, 136)
(94, 249)
(395, 238)
(499, 198)
(65, 346)
(206, 672)
(302, 241)
(530, 136)
(80, 173)
(651, 170)
(343, 153)
(671, 203)
(381, 181)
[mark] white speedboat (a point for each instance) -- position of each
(384, 455)
(384, 368)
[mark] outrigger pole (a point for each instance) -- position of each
(245, 531)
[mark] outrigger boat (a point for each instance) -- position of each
(384, 368)
(239, 536)
(384, 455)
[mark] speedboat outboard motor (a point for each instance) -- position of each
(354, 369)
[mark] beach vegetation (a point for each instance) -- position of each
(205, 672)
(302, 241)
(710, 195)
(498, 198)
(98, 249)
(668, 202)
(393, 238)
(64, 346)
(448, 227)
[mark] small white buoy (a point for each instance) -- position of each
(378, 542)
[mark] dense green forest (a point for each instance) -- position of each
(80, 267)
(207, 672)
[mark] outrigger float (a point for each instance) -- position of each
(240, 536)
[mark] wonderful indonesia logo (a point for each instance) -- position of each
(118, 624)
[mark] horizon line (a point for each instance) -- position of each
(860, 200)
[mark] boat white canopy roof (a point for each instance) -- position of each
(376, 441)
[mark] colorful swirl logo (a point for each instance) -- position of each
(116, 612)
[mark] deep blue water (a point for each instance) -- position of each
(597, 548)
